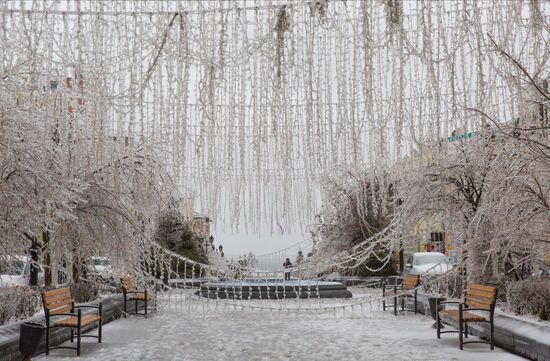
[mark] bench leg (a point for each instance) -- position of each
(125, 302)
(78, 332)
(492, 333)
(415, 302)
(146, 303)
(438, 323)
(395, 305)
(402, 303)
(78, 341)
(437, 318)
(466, 329)
(47, 339)
(384, 295)
(72, 335)
(460, 327)
(100, 323)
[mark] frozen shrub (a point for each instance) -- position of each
(17, 303)
(86, 291)
(530, 296)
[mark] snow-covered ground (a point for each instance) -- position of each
(259, 335)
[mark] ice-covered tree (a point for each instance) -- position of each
(357, 205)
(35, 193)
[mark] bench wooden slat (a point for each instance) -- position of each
(128, 283)
(482, 288)
(486, 304)
(72, 321)
(486, 293)
(56, 292)
(59, 296)
(411, 281)
(479, 299)
(453, 315)
(479, 305)
(62, 303)
(63, 309)
(480, 294)
(57, 299)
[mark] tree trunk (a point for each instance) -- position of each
(34, 252)
(47, 258)
(76, 268)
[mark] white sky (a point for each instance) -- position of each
(239, 243)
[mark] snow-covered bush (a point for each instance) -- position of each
(86, 291)
(531, 296)
(451, 284)
(17, 303)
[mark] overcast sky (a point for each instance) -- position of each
(240, 243)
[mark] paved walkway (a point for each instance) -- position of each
(246, 335)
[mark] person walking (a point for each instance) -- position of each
(287, 265)
(300, 258)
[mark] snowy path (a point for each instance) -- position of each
(259, 336)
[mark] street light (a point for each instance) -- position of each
(211, 239)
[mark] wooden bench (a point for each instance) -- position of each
(405, 290)
(59, 310)
(478, 298)
(131, 292)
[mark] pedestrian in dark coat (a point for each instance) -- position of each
(287, 264)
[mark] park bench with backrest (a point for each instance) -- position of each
(407, 289)
(132, 292)
(59, 310)
(480, 299)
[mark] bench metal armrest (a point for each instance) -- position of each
(451, 302)
(397, 278)
(392, 288)
(134, 291)
(88, 306)
(402, 292)
(63, 314)
(409, 289)
(394, 278)
(476, 309)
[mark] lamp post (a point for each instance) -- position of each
(211, 239)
